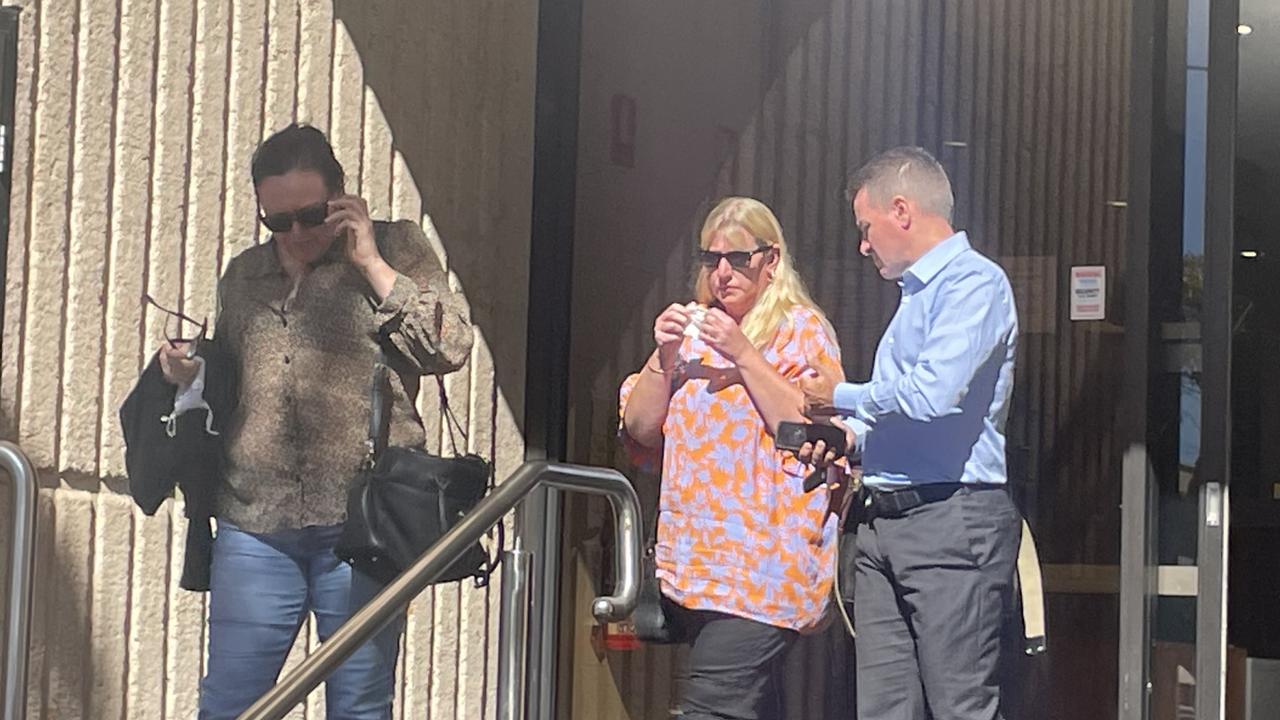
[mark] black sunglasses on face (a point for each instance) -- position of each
(173, 341)
(308, 217)
(738, 259)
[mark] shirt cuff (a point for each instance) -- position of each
(403, 291)
(848, 397)
(860, 430)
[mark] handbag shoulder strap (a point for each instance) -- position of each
(377, 409)
(377, 439)
(650, 520)
(446, 414)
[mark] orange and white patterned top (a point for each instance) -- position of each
(737, 534)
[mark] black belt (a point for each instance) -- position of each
(895, 503)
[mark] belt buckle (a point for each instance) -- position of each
(911, 499)
(895, 503)
(891, 503)
(899, 501)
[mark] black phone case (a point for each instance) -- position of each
(792, 435)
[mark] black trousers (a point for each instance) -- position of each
(734, 667)
(930, 589)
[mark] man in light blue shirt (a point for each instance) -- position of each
(937, 534)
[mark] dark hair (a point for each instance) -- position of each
(297, 147)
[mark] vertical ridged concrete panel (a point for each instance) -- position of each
(315, 62)
(50, 154)
(206, 212)
(133, 133)
(90, 237)
(246, 98)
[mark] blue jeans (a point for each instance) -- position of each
(261, 589)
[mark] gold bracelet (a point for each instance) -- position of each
(660, 371)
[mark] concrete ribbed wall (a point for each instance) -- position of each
(134, 126)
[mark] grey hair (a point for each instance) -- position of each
(907, 171)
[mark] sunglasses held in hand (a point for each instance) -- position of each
(175, 339)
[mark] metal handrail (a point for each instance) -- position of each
(22, 554)
(393, 599)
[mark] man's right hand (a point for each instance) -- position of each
(818, 454)
(177, 368)
(819, 392)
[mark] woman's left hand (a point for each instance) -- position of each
(722, 334)
(349, 218)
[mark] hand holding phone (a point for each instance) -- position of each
(792, 436)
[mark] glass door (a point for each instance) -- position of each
(1253, 636)
(1174, 654)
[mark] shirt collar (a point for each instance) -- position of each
(924, 270)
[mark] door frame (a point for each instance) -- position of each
(555, 172)
(1138, 567)
(1215, 443)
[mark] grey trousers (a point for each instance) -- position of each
(930, 589)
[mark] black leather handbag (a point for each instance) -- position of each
(404, 499)
(656, 617)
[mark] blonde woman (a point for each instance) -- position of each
(744, 554)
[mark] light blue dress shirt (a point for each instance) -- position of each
(936, 406)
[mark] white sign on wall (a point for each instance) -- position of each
(1088, 292)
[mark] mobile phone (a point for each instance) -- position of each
(791, 435)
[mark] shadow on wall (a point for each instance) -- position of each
(472, 161)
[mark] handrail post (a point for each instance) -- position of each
(21, 570)
(513, 632)
(379, 611)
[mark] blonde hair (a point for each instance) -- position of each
(784, 291)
